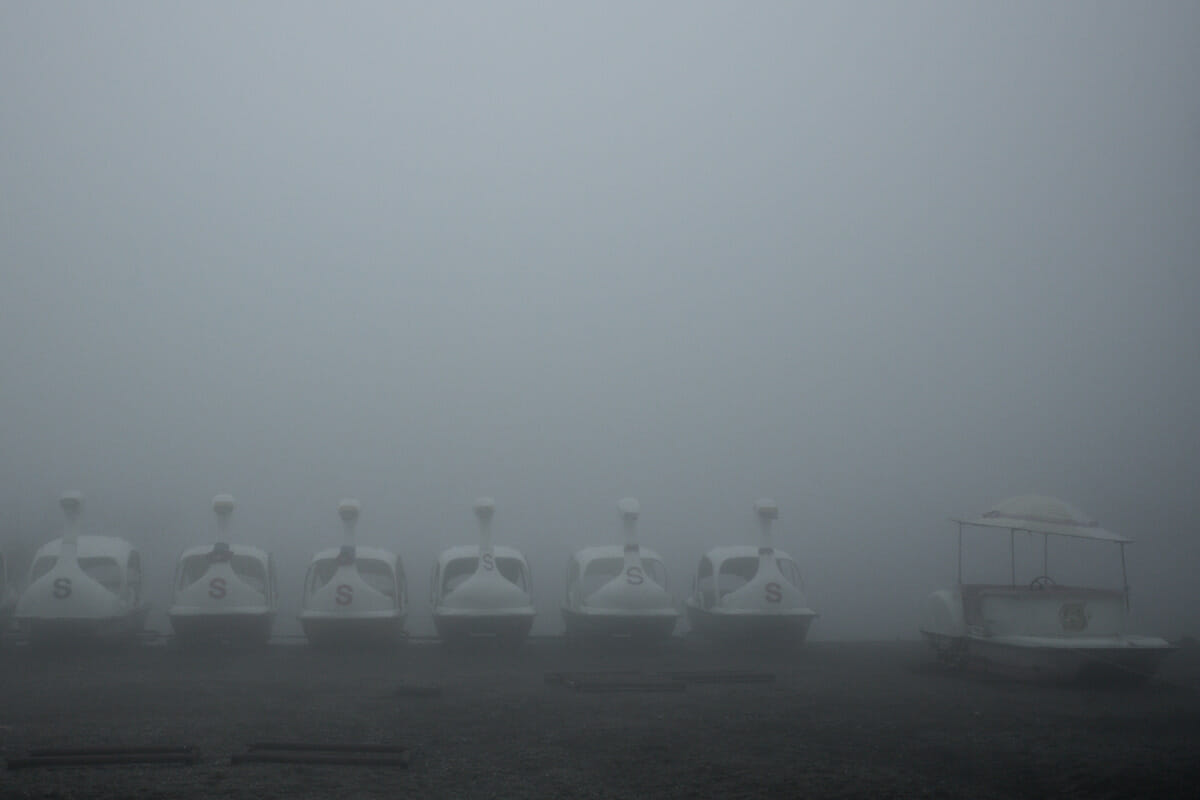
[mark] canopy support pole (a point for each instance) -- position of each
(960, 554)
(1012, 551)
(1045, 554)
(1124, 577)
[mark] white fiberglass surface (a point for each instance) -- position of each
(460, 569)
(375, 573)
(600, 571)
(249, 569)
(735, 573)
(104, 570)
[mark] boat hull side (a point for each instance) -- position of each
(1108, 659)
(453, 627)
(215, 629)
(616, 625)
(353, 631)
(124, 629)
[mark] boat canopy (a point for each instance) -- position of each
(108, 560)
(593, 567)
(380, 569)
(1040, 514)
(91, 546)
(737, 564)
(361, 551)
(455, 564)
(472, 551)
(251, 564)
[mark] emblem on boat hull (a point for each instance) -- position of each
(1072, 617)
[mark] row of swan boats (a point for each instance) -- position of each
(89, 588)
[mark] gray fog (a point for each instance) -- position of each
(886, 263)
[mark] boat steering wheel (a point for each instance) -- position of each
(1042, 582)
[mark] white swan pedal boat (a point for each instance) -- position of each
(619, 591)
(225, 593)
(354, 595)
(743, 594)
(83, 588)
(484, 590)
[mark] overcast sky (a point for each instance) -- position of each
(886, 262)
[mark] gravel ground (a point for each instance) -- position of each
(839, 720)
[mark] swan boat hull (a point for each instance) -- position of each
(122, 629)
(248, 628)
(619, 624)
(458, 625)
(353, 630)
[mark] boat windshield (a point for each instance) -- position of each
(735, 573)
(378, 575)
(791, 572)
(252, 571)
(102, 569)
(460, 569)
(600, 571)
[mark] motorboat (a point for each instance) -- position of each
(619, 591)
(354, 595)
(224, 592)
(748, 594)
(82, 588)
(1039, 628)
(482, 590)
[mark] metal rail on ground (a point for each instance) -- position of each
(95, 756)
(373, 755)
(641, 681)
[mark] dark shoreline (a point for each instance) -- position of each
(838, 719)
